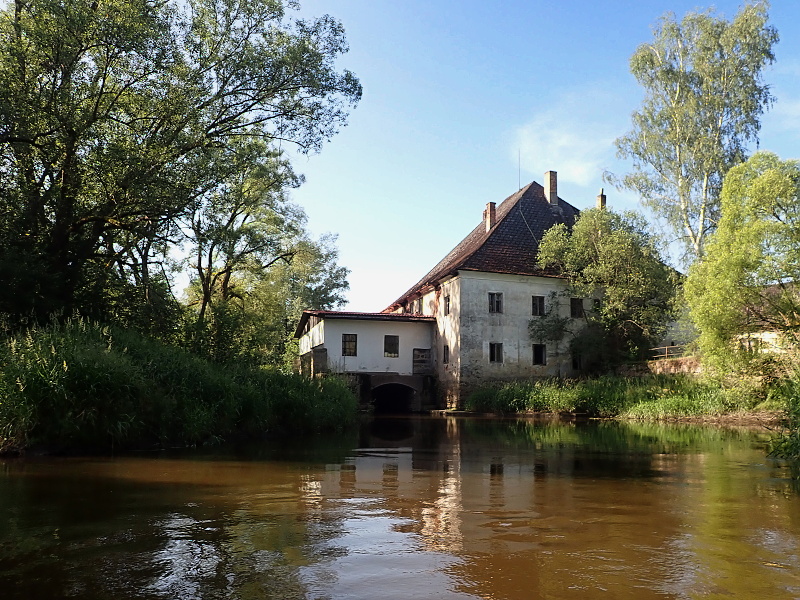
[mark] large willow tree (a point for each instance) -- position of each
(704, 95)
(116, 116)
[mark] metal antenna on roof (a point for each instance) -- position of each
(519, 169)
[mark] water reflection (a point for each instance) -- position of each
(413, 508)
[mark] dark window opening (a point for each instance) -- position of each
(349, 344)
(495, 352)
(446, 354)
(391, 346)
(576, 308)
(537, 306)
(422, 361)
(447, 305)
(392, 398)
(495, 302)
(539, 354)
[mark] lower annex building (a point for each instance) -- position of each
(465, 323)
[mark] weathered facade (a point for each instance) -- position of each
(389, 356)
(476, 304)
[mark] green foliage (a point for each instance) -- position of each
(787, 443)
(704, 95)
(118, 118)
(550, 327)
(611, 257)
(255, 324)
(745, 289)
(77, 384)
(648, 398)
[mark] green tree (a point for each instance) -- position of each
(612, 258)
(746, 286)
(243, 223)
(255, 323)
(704, 95)
(116, 115)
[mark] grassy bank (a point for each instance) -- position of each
(647, 398)
(80, 385)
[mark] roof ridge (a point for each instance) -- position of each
(481, 246)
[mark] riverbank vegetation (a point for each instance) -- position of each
(78, 385)
(656, 397)
(153, 265)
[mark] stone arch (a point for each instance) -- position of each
(394, 398)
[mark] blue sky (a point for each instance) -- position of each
(463, 99)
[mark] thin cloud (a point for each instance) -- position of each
(574, 137)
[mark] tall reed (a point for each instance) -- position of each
(77, 384)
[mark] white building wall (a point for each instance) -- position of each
(370, 356)
(448, 328)
(478, 327)
(314, 337)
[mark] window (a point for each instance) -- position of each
(447, 305)
(576, 308)
(539, 354)
(349, 344)
(419, 306)
(577, 364)
(391, 346)
(495, 352)
(537, 306)
(422, 361)
(446, 355)
(495, 302)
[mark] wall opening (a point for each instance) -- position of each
(392, 398)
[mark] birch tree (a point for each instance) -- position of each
(704, 96)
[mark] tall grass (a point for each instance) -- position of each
(649, 398)
(80, 385)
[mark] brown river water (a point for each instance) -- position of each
(405, 508)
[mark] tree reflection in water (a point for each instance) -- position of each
(413, 507)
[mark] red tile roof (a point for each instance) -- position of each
(336, 314)
(509, 247)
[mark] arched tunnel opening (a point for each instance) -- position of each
(392, 398)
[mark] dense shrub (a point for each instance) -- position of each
(77, 384)
(787, 444)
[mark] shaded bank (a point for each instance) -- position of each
(78, 385)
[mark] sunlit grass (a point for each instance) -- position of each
(651, 398)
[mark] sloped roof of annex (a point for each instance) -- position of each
(310, 318)
(510, 246)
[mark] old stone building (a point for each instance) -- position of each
(466, 322)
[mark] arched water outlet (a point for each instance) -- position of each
(393, 398)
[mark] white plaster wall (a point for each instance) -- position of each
(370, 358)
(448, 329)
(478, 327)
(314, 337)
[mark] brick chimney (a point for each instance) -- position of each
(490, 215)
(551, 187)
(601, 200)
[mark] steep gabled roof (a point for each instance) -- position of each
(508, 247)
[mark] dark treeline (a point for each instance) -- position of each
(143, 143)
